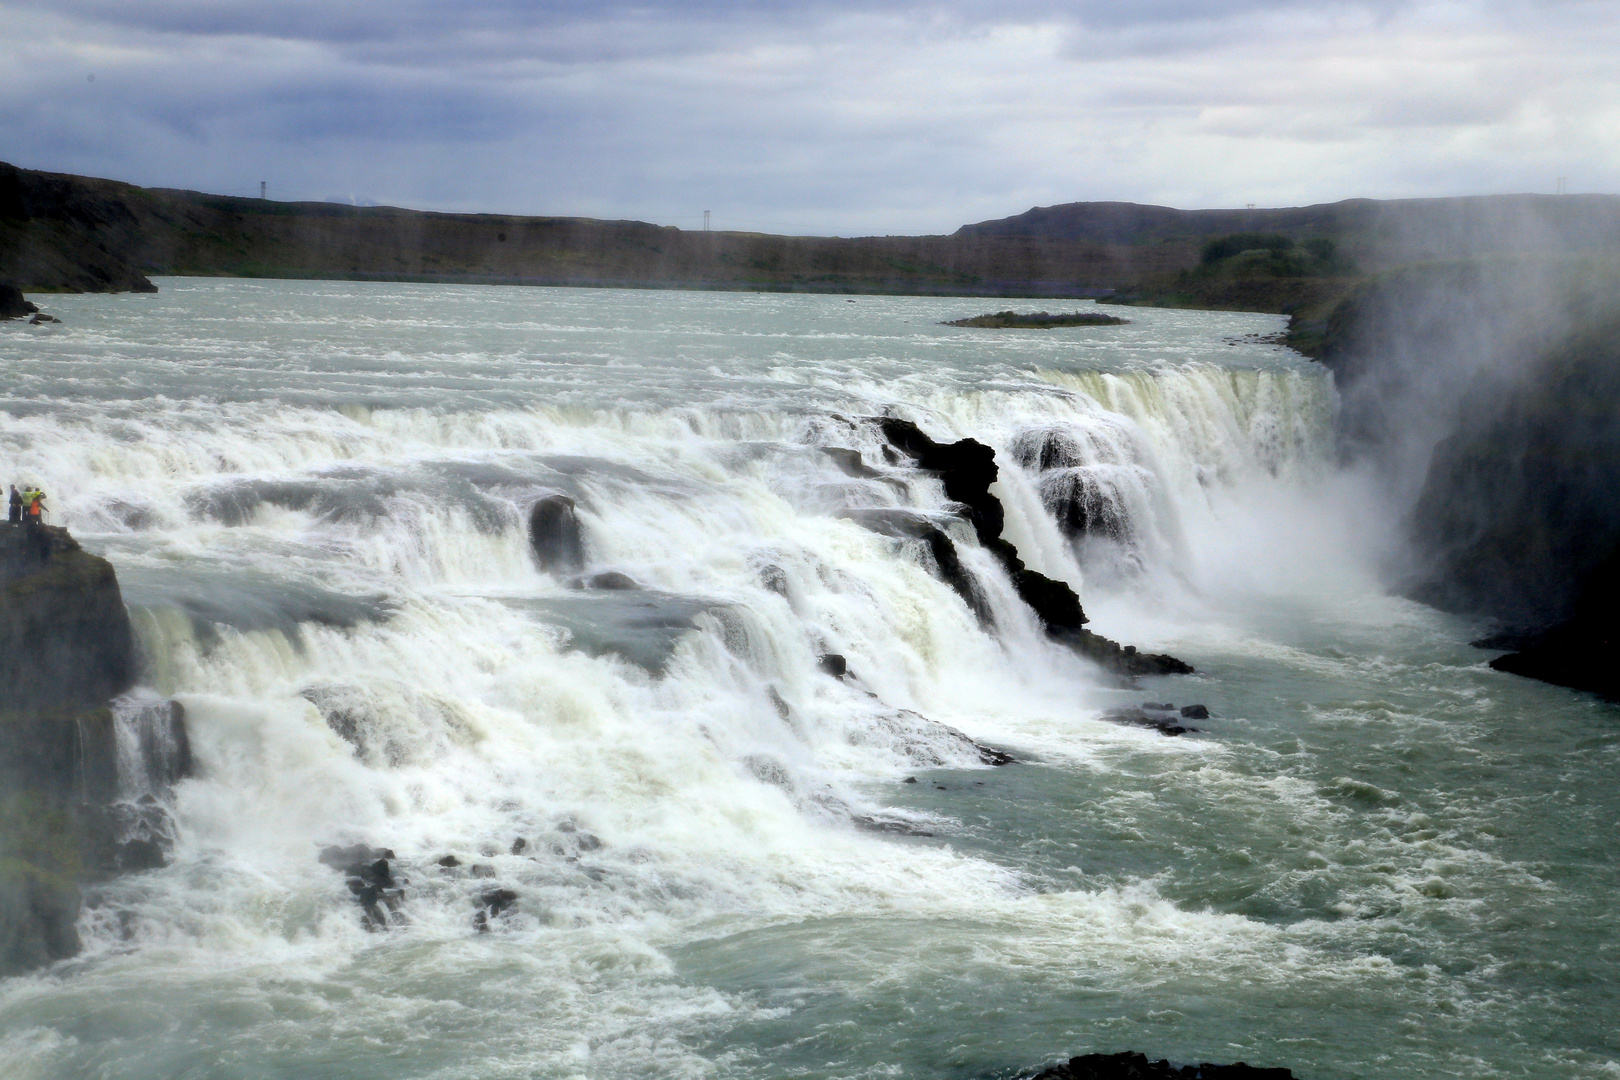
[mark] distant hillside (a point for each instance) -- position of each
(1375, 233)
(71, 233)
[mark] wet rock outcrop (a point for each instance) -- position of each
(371, 881)
(968, 468)
(1134, 1066)
(1163, 718)
(65, 651)
(554, 534)
(1519, 515)
(13, 305)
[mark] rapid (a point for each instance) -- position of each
(1377, 857)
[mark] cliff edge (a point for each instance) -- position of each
(65, 651)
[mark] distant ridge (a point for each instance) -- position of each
(60, 232)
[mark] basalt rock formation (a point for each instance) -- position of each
(65, 651)
(968, 468)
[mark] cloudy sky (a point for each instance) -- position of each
(831, 117)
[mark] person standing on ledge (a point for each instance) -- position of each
(16, 506)
(34, 521)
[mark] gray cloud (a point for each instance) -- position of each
(820, 117)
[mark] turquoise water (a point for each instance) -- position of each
(1378, 858)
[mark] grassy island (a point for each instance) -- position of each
(1040, 320)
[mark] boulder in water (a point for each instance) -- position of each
(1164, 720)
(1195, 712)
(13, 305)
(555, 535)
(833, 664)
(1133, 1066)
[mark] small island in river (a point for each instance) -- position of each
(1040, 320)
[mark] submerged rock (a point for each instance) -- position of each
(609, 580)
(849, 461)
(1164, 721)
(1134, 1066)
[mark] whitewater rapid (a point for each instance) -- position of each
(316, 497)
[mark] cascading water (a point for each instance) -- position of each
(321, 503)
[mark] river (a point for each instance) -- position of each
(1377, 857)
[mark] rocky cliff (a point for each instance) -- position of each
(65, 651)
(1491, 390)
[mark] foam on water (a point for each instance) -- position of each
(316, 497)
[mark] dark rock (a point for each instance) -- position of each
(1195, 712)
(449, 862)
(833, 664)
(41, 318)
(774, 578)
(519, 846)
(496, 901)
(1164, 725)
(850, 462)
(371, 881)
(360, 856)
(1122, 660)
(481, 870)
(947, 562)
(909, 780)
(991, 756)
(65, 639)
(1133, 1066)
(13, 305)
(555, 535)
(968, 468)
(65, 650)
(1166, 707)
(141, 854)
(892, 826)
(587, 841)
(610, 580)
